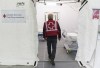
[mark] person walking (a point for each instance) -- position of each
(51, 31)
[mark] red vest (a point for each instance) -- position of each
(51, 28)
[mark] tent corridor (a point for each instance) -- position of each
(21, 24)
(62, 59)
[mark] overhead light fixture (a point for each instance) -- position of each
(51, 3)
(42, 1)
(78, 1)
(67, 1)
(57, 2)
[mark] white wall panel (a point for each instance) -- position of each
(88, 52)
(66, 13)
(18, 39)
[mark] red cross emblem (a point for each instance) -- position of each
(4, 16)
(96, 13)
(51, 26)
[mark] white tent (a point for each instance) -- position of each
(88, 51)
(18, 32)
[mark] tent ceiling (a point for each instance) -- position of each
(74, 4)
(56, 0)
(61, 0)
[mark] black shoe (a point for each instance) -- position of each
(52, 62)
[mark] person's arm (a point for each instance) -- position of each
(59, 32)
(44, 31)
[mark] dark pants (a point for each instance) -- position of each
(51, 42)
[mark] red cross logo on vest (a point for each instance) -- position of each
(51, 26)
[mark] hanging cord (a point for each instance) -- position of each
(44, 2)
(33, 1)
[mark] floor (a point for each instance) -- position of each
(62, 59)
(59, 64)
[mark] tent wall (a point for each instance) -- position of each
(67, 15)
(87, 37)
(18, 32)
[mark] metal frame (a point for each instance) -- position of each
(83, 4)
